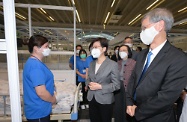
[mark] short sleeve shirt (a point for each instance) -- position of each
(36, 73)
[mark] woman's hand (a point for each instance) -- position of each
(83, 76)
(53, 101)
(94, 86)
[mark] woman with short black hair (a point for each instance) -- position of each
(38, 82)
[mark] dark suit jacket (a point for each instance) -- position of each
(160, 86)
(134, 54)
(108, 76)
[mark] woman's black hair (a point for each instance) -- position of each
(103, 42)
(129, 52)
(90, 46)
(115, 47)
(36, 40)
(82, 50)
(139, 48)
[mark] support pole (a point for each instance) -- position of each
(12, 59)
(30, 22)
(74, 35)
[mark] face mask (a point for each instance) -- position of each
(96, 53)
(128, 44)
(77, 51)
(83, 56)
(46, 52)
(148, 35)
(116, 51)
(123, 55)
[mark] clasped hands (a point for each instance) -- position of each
(131, 110)
(94, 86)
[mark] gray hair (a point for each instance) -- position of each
(160, 14)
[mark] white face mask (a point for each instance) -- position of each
(46, 52)
(123, 55)
(128, 44)
(116, 51)
(77, 51)
(95, 53)
(148, 35)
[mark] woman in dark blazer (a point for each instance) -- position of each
(125, 66)
(102, 81)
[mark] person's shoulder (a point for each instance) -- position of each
(111, 62)
(89, 57)
(33, 61)
(71, 58)
(178, 52)
(92, 62)
(33, 64)
(141, 53)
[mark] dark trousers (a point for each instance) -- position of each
(120, 104)
(179, 108)
(100, 112)
(44, 119)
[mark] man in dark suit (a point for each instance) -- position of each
(129, 42)
(160, 73)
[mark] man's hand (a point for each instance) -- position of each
(94, 86)
(131, 110)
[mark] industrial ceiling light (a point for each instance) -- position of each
(51, 18)
(116, 33)
(20, 16)
(182, 9)
(104, 26)
(78, 16)
(43, 10)
(73, 2)
(152, 5)
(134, 19)
(113, 3)
(183, 23)
(155, 4)
(107, 17)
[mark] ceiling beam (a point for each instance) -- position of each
(94, 27)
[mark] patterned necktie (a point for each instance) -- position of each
(144, 70)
